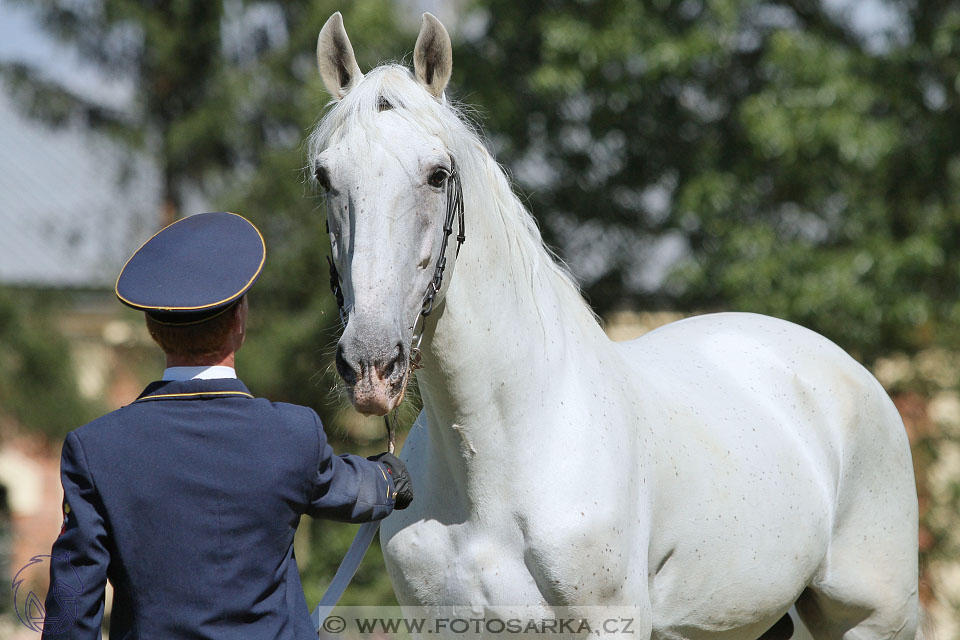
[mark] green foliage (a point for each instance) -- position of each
(169, 52)
(810, 172)
(37, 386)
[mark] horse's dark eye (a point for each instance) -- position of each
(322, 178)
(438, 177)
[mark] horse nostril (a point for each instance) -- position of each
(346, 371)
(389, 369)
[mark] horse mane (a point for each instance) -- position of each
(485, 181)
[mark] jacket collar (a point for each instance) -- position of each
(194, 390)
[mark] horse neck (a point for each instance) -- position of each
(508, 332)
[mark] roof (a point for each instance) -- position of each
(73, 205)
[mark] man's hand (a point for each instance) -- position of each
(401, 479)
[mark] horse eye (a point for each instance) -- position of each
(438, 177)
(322, 179)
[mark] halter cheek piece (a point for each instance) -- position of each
(454, 191)
(454, 208)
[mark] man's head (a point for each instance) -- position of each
(191, 280)
(207, 342)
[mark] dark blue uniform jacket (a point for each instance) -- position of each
(187, 501)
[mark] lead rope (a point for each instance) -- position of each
(454, 191)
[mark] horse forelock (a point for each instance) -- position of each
(486, 186)
(390, 86)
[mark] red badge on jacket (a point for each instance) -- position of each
(66, 516)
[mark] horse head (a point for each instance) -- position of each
(386, 161)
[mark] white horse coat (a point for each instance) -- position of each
(712, 473)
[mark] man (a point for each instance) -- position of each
(188, 499)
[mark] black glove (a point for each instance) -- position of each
(403, 494)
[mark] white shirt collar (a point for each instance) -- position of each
(198, 373)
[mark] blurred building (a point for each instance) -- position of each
(73, 206)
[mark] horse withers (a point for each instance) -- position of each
(711, 475)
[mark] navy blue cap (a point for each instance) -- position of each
(193, 269)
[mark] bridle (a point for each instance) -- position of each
(454, 192)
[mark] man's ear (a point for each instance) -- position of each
(240, 320)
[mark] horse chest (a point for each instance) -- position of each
(554, 561)
(437, 564)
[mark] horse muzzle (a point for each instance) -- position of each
(374, 382)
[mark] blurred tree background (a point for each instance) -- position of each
(782, 157)
(776, 158)
(35, 363)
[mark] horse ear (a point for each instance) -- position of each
(433, 56)
(338, 65)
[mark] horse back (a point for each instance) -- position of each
(743, 368)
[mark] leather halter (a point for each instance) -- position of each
(454, 210)
(454, 193)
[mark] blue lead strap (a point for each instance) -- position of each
(364, 538)
(345, 572)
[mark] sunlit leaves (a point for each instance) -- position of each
(810, 168)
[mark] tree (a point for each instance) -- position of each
(37, 386)
(740, 154)
(201, 104)
(178, 83)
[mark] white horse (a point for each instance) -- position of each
(712, 473)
